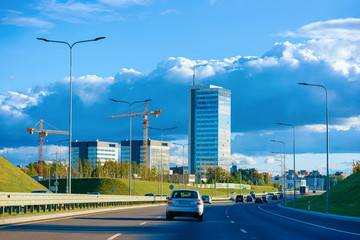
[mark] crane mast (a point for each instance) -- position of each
(145, 114)
(43, 133)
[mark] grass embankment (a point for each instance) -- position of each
(85, 185)
(121, 187)
(12, 179)
(344, 198)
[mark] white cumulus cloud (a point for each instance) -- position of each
(347, 29)
(91, 88)
(128, 75)
(13, 104)
(345, 125)
(241, 159)
(269, 160)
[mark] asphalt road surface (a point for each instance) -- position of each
(221, 221)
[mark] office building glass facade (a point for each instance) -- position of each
(209, 128)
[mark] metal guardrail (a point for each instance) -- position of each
(39, 202)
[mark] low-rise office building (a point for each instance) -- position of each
(158, 155)
(94, 151)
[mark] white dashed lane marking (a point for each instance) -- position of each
(114, 236)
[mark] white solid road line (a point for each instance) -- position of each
(243, 230)
(158, 217)
(311, 224)
(142, 223)
(114, 236)
(6, 226)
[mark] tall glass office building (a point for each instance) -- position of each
(209, 128)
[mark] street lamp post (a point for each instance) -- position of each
(161, 151)
(281, 172)
(57, 145)
(290, 125)
(327, 144)
(284, 178)
(70, 115)
(240, 179)
(183, 146)
(130, 105)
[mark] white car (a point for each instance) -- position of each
(185, 203)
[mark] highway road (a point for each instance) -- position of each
(225, 220)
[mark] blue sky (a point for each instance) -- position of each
(258, 49)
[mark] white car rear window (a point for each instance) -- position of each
(185, 194)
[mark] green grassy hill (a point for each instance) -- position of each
(13, 179)
(121, 187)
(344, 198)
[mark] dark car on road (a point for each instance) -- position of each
(275, 197)
(41, 191)
(206, 199)
(239, 198)
(249, 199)
(264, 198)
(258, 200)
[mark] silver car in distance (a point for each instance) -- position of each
(185, 203)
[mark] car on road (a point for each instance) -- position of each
(264, 198)
(94, 193)
(206, 199)
(275, 197)
(185, 203)
(253, 195)
(258, 200)
(41, 191)
(150, 194)
(271, 195)
(249, 199)
(239, 198)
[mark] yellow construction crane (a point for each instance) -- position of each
(43, 133)
(145, 126)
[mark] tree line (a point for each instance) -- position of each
(244, 176)
(84, 168)
(112, 169)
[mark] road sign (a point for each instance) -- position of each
(171, 187)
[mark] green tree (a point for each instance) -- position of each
(276, 185)
(86, 168)
(267, 179)
(124, 170)
(33, 169)
(356, 166)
